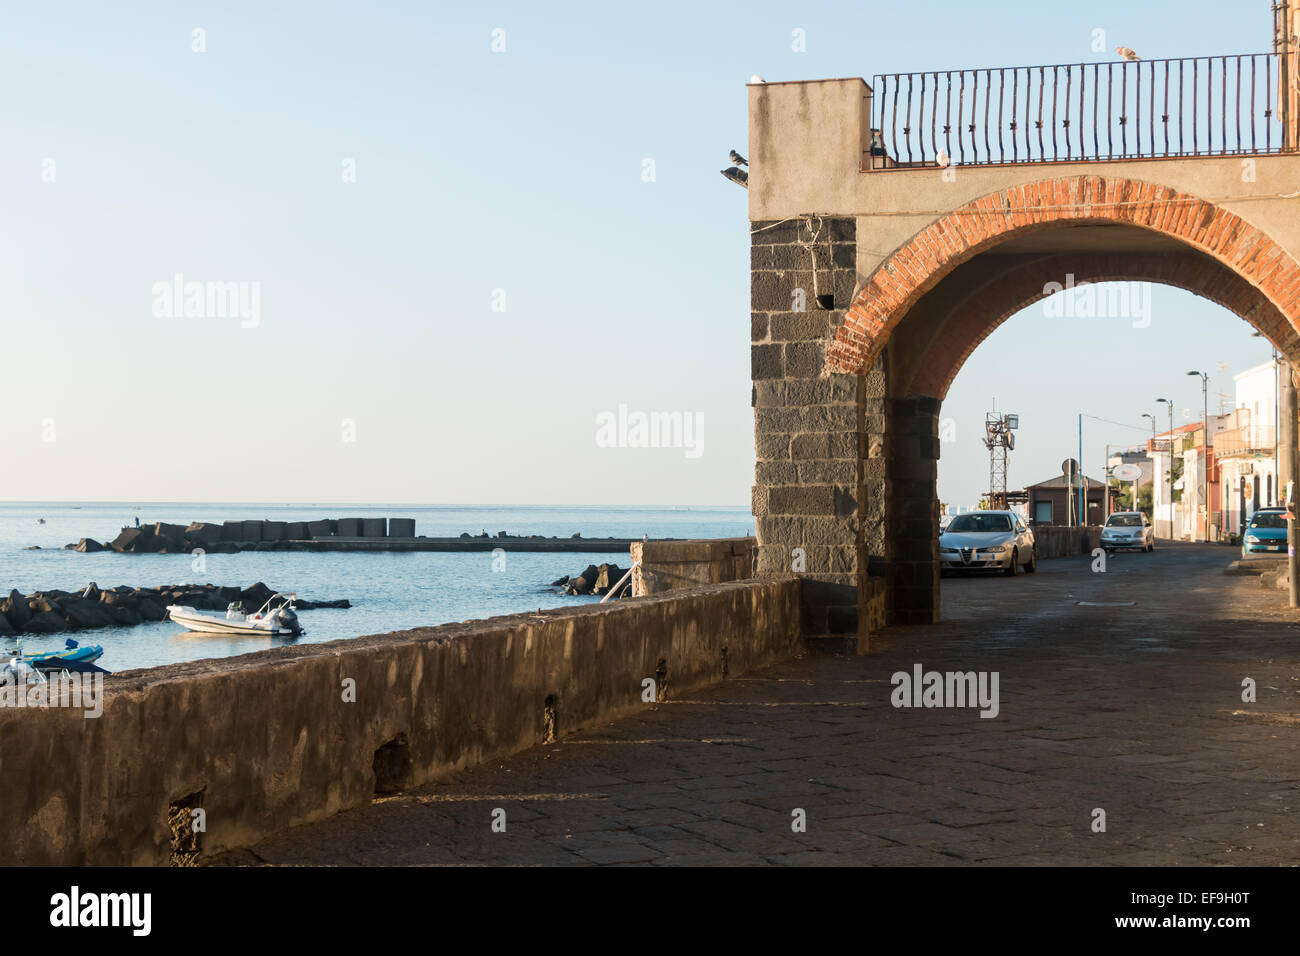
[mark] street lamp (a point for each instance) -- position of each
(1153, 448)
(1205, 451)
(1170, 505)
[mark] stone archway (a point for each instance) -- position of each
(960, 235)
(1023, 284)
(847, 404)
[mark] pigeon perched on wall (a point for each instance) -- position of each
(1127, 54)
(737, 176)
(738, 159)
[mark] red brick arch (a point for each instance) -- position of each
(960, 235)
(1004, 295)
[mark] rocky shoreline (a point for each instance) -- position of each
(51, 612)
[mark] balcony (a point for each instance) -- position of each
(1245, 442)
(1084, 112)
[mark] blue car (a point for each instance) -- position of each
(1266, 533)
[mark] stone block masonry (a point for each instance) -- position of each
(814, 466)
(672, 565)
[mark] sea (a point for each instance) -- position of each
(389, 591)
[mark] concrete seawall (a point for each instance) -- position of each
(264, 742)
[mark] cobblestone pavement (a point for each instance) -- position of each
(1132, 708)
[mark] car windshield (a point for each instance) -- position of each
(1124, 521)
(980, 522)
(1268, 519)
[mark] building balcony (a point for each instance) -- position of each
(1248, 442)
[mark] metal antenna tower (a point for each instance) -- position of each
(999, 439)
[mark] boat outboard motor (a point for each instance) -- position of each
(287, 618)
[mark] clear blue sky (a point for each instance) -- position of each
(475, 171)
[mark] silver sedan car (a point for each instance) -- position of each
(1128, 529)
(989, 541)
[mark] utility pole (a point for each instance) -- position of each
(1153, 471)
(1083, 492)
(1105, 474)
(1287, 443)
(1203, 466)
(1170, 503)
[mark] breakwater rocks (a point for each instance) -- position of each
(231, 536)
(48, 612)
(596, 580)
(342, 534)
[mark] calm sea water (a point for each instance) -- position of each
(388, 591)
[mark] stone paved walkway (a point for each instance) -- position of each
(1136, 710)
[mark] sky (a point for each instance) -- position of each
(453, 263)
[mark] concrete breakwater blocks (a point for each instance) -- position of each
(401, 527)
(374, 528)
(321, 728)
(349, 527)
(320, 529)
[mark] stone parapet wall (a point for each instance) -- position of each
(268, 741)
(1059, 541)
(672, 565)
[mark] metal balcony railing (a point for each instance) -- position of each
(1247, 441)
(1083, 112)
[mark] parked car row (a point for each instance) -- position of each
(1001, 541)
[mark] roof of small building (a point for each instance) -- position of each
(1060, 482)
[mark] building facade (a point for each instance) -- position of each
(1246, 449)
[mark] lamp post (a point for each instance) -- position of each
(1170, 504)
(1105, 473)
(1204, 464)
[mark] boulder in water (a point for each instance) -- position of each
(46, 622)
(16, 611)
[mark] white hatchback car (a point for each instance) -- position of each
(1128, 529)
(988, 540)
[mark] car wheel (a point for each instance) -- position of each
(1032, 565)
(1014, 566)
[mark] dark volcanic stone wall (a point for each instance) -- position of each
(844, 484)
(809, 428)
